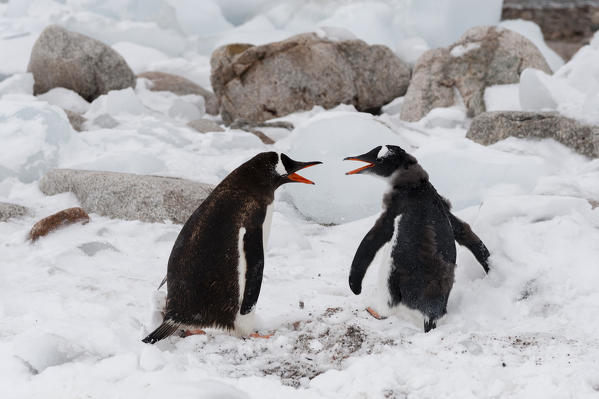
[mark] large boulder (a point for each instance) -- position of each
(491, 127)
(162, 81)
(61, 58)
(9, 211)
(258, 83)
(129, 196)
(484, 56)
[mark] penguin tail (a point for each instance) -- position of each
(166, 329)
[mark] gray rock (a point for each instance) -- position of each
(257, 83)
(491, 127)
(61, 58)
(484, 56)
(128, 196)
(9, 211)
(76, 120)
(161, 81)
(205, 126)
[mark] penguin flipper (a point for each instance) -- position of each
(254, 256)
(166, 329)
(464, 235)
(379, 234)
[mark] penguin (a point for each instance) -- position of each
(215, 267)
(418, 224)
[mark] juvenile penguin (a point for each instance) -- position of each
(215, 267)
(421, 229)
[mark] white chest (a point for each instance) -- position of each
(266, 225)
(242, 264)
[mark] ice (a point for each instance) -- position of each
(371, 22)
(139, 57)
(32, 135)
(532, 32)
(116, 102)
(411, 48)
(259, 30)
(502, 98)
(185, 110)
(17, 84)
(450, 19)
(65, 99)
(337, 198)
(16, 50)
(541, 92)
(208, 22)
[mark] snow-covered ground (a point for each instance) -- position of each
(75, 304)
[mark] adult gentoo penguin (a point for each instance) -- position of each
(421, 229)
(215, 268)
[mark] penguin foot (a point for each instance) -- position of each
(374, 314)
(257, 335)
(187, 333)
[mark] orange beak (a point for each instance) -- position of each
(353, 172)
(301, 179)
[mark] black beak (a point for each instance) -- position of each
(292, 167)
(370, 158)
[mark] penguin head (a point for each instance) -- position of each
(383, 161)
(286, 170)
(272, 169)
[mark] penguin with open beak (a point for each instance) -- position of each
(418, 224)
(216, 264)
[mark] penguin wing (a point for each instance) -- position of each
(379, 234)
(464, 235)
(254, 256)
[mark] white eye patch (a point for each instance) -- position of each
(383, 152)
(280, 168)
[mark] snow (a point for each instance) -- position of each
(138, 57)
(410, 49)
(573, 90)
(65, 99)
(75, 304)
(32, 135)
(17, 84)
(116, 102)
(337, 198)
(460, 50)
(503, 97)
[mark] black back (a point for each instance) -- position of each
(202, 277)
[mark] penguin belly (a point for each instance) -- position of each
(244, 324)
(387, 303)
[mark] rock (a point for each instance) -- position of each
(76, 120)
(484, 56)
(491, 127)
(128, 196)
(258, 83)
(61, 58)
(9, 211)
(162, 81)
(60, 219)
(205, 126)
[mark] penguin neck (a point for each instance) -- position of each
(413, 177)
(252, 182)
